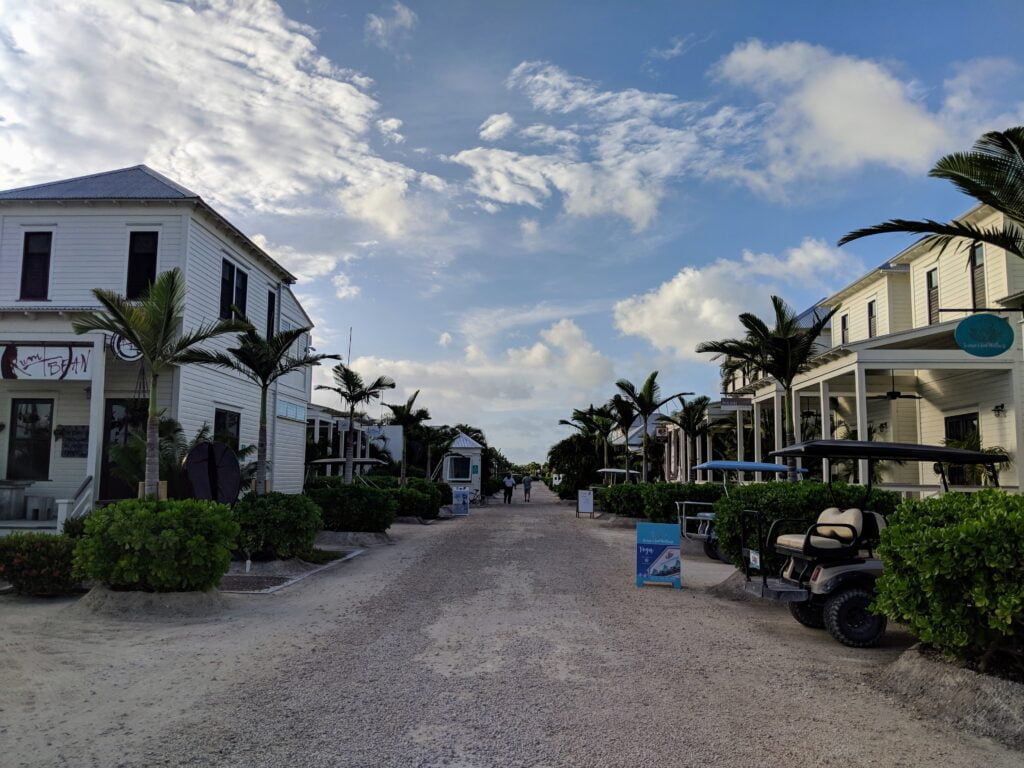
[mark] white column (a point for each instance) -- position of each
(1018, 423)
(756, 419)
(709, 476)
(826, 424)
(780, 435)
(861, 396)
(797, 432)
(739, 436)
(97, 411)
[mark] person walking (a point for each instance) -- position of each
(527, 482)
(510, 485)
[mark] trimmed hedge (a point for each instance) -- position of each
(803, 501)
(660, 498)
(357, 508)
(954, 573)
(74, 527)
(38, 563)
(413, 503)
(625, 499)
(158, 546)
(277, 525)
(434, 492)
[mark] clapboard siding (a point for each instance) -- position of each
(90, 250)
(289, 455)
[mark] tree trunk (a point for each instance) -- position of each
(151, 485)
(404, 451)
(261, 446)
(428, 474)
(606, 477)
(787, 431)
(643, 447)
(349, 434)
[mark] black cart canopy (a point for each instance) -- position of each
(860, 449)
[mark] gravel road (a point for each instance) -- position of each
(512, 638)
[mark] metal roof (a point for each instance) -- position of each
(745, 466)
(138, 182)
(462, 440)
(862, 449)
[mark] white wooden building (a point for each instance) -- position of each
(65, 398)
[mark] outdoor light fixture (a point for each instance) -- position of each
(883, 427)
(999, 410)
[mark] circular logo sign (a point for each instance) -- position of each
(984, 335)
(124, 349)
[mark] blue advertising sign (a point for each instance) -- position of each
(460, 502)
(984, 335)
(657, 554)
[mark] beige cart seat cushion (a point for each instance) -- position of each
(796, 541)
(852, 517)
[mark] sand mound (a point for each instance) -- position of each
(149, 606)
(985, 705)
(352, 539)
(616, 521)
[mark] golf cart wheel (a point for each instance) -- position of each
(809, 614)
(711, 549)
(849, 621)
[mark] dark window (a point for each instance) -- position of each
(271, 313)
(227, 426)
(932, 288)
(234, 285)
(844, 329)
(978, 275)
(141, 263)
(459, 468)
(872, 320)
(35, 265)
(961, 431)
(31, 427)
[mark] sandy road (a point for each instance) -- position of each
(512, 638)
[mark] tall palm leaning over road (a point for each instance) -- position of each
(262, 360)
(153, 325)
(595, 423)
(780, 352)
(646, 401)
(691, 418)
(992, 173)
(351, 388)
(409, 418)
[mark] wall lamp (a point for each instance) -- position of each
(883, 427)
(999, 410)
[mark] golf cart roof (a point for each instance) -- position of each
(617, 471)
(860, 449)
(746, 466)
(342, 461)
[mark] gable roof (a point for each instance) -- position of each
(138, 182)
(462, 440)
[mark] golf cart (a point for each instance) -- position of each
(696, 518)
(828, 577)
(616, 476)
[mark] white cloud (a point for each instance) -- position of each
(703, 303)
(483, 322)
(529, 227)
(343, 287)
(540, 133)
(497, 126)
(390, 130)
(678, 46)
(391, 31)
(444, 339)
(305, 266)
(233, 100)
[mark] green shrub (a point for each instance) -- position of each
(158, 546)
(660, 498)
(38, 563)
(492, 485)
(445, 493)
(625, 499)
(354, 507)
(954, 573)
(803, 501)
(277, 525)
(75, 526)
(434, 494)
(412, 503)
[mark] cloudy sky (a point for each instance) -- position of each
(513, 204)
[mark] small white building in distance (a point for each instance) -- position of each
(462, 463)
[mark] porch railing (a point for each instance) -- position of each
(78, 505)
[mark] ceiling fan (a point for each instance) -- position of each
(894, 394)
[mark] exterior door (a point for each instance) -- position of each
(962, 432)
(120, 417)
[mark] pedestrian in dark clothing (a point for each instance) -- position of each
(510, 485)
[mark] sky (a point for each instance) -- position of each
(514, 204)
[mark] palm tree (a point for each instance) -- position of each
(691, 418)
(409, 418)
(992, 173)
(262, 360)
(352, 390)
(624, 415)
(646, 401)
(152, 325)
(781, 352)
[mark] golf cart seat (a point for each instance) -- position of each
(835, 533)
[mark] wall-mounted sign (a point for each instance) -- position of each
(736, 404)
(45, 362)
(984, 335)
(657, 554)
(74, 441)
(124, 349)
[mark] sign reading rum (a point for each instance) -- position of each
(48, 362)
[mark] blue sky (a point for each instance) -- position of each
(515, 204)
